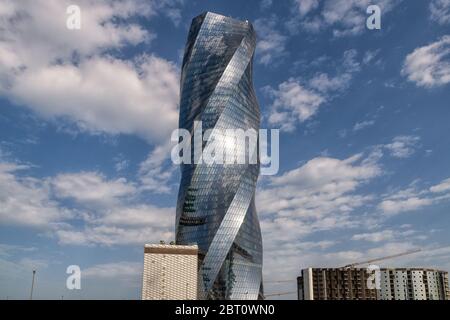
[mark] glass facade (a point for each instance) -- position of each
(216, 202)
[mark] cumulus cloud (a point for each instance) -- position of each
(370, 55)
(363, 124)
(105, 95)
(402, 233)
(305, 6)
(401, 205)
(154, 172)
(26, 201)
(293, 103)
(15, 269)
(271, 44)
(322, 82)
(444, 186)
(35, 32)
(109, 210)
(104, 235)
(413, 198)
(440, 11)
(403, 146)
(91, 188)
(73, 75)
(319, 195)
(113, 214)
(297, 100)
(429, 66)
(343, 17)
(139, 215)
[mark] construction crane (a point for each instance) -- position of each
(279, 294)
(346, 266)
(32, 285)
(382, 258)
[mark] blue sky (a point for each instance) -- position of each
(86, 117)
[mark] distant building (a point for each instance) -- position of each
(334, 284)
(351, 284)
(414, 284)
(170, 272)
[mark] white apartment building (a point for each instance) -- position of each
(170, 272)
(413, 284)
(352, 284)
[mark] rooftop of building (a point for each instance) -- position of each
(171, 249)
(381, 269)
(235, 20)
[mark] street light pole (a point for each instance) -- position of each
(32, 285)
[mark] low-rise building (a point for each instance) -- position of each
(170, 272)
(364, 284)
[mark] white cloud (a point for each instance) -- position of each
(440, 11)
(26, 201)
(297, 100)
(343, 17)
(65, 74)
(91, 187)
(265, 4)
(114, 270)
(140, 215)
(324, 83)
(441, 187)
(350, 62)
(36, 34)
(370, 55)
(119, 274)
(412, 198)
(391, 247)
(363, 124)
(400, 234)
(322, 201)
(110, 235)
(105, 95)
(271, 44)
(15, 269)
(374, 236)
(403, 146)
(109, 210)
(429, 66)
(318, 172)
(155, 173)
(293, 103)
(305, 6)
(121, 163)
(348, 17)
(319, 195)
(113, 213)
(6, 250)
(391, 207)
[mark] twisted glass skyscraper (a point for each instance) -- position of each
(216, 202)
